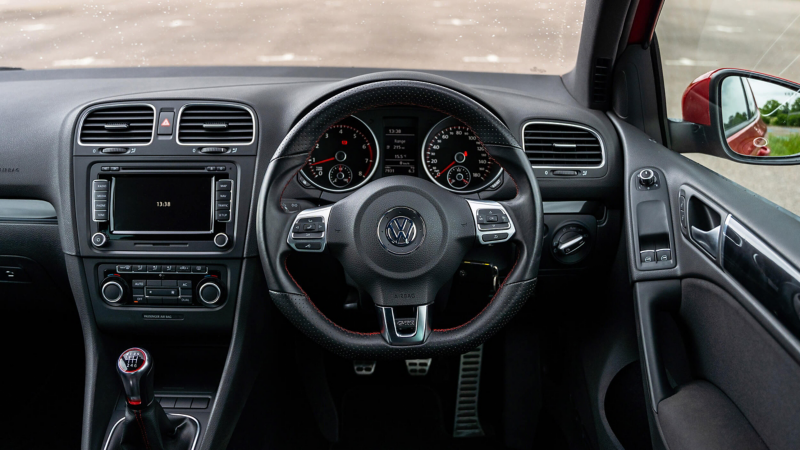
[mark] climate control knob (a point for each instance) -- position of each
(113, 290)
(210, 292)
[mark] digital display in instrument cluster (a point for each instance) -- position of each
(400, 150)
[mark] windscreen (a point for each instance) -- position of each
(515, 36)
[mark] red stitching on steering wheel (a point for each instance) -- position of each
(318, 310)
(308, 157)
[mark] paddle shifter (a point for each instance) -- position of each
(146, 426)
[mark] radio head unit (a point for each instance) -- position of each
(186, 206)
(162, 204)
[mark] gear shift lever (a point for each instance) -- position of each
(146, 426)
(135, 368)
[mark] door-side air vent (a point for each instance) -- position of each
(552, 144)
(118, 124)
(215, 124)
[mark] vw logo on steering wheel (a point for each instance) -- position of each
(401, 231)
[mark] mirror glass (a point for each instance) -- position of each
(760, 118)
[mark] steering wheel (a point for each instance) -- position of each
(400, 238)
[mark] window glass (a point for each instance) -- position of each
(515, 36)
(697, 36)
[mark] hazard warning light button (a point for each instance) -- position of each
(165, 122)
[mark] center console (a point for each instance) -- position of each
(162, 193)
(162, 196)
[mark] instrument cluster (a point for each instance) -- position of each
(400, 141)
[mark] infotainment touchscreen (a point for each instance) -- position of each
(152, 204)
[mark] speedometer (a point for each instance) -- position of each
(344, 157)
(456, 159)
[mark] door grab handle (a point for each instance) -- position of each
(707, 240)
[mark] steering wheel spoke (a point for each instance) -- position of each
(402, 331)
(493, 224)
(309, 230)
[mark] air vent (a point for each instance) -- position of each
(124, 124)
(550, 144)
(215, 124)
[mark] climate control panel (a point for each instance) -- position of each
(163, 285)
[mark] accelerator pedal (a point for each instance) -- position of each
(469, 376)
(418, 367)
(364, 367)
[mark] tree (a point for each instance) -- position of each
(796, 105)
(770, 106)
(778, 119)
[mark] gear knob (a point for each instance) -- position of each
(135, 368)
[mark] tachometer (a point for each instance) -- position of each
(344, 157)
(456, 159)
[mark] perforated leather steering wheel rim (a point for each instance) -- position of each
(273, 224)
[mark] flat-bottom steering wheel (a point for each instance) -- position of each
(400, 238)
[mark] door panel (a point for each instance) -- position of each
(730, 376)
(727, 347)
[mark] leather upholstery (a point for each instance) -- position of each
(151, 429)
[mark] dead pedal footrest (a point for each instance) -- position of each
(466, 422)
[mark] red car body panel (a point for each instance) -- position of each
(746, 141)
(695, 103)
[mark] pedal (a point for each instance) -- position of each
(418, 367)
(364, 367)
(466, 423)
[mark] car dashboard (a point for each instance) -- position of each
(154, 175)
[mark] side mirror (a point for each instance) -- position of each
(746, 116)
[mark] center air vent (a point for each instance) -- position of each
(124, 124)
(215, 124)
(551, 144)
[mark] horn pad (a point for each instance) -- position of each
(401, 238)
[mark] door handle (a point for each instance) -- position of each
(707, 240)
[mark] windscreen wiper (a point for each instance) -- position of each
(11, 68)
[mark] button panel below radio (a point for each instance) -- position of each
(164, 285)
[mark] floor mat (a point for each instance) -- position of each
(394, 417)
(399, 417)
